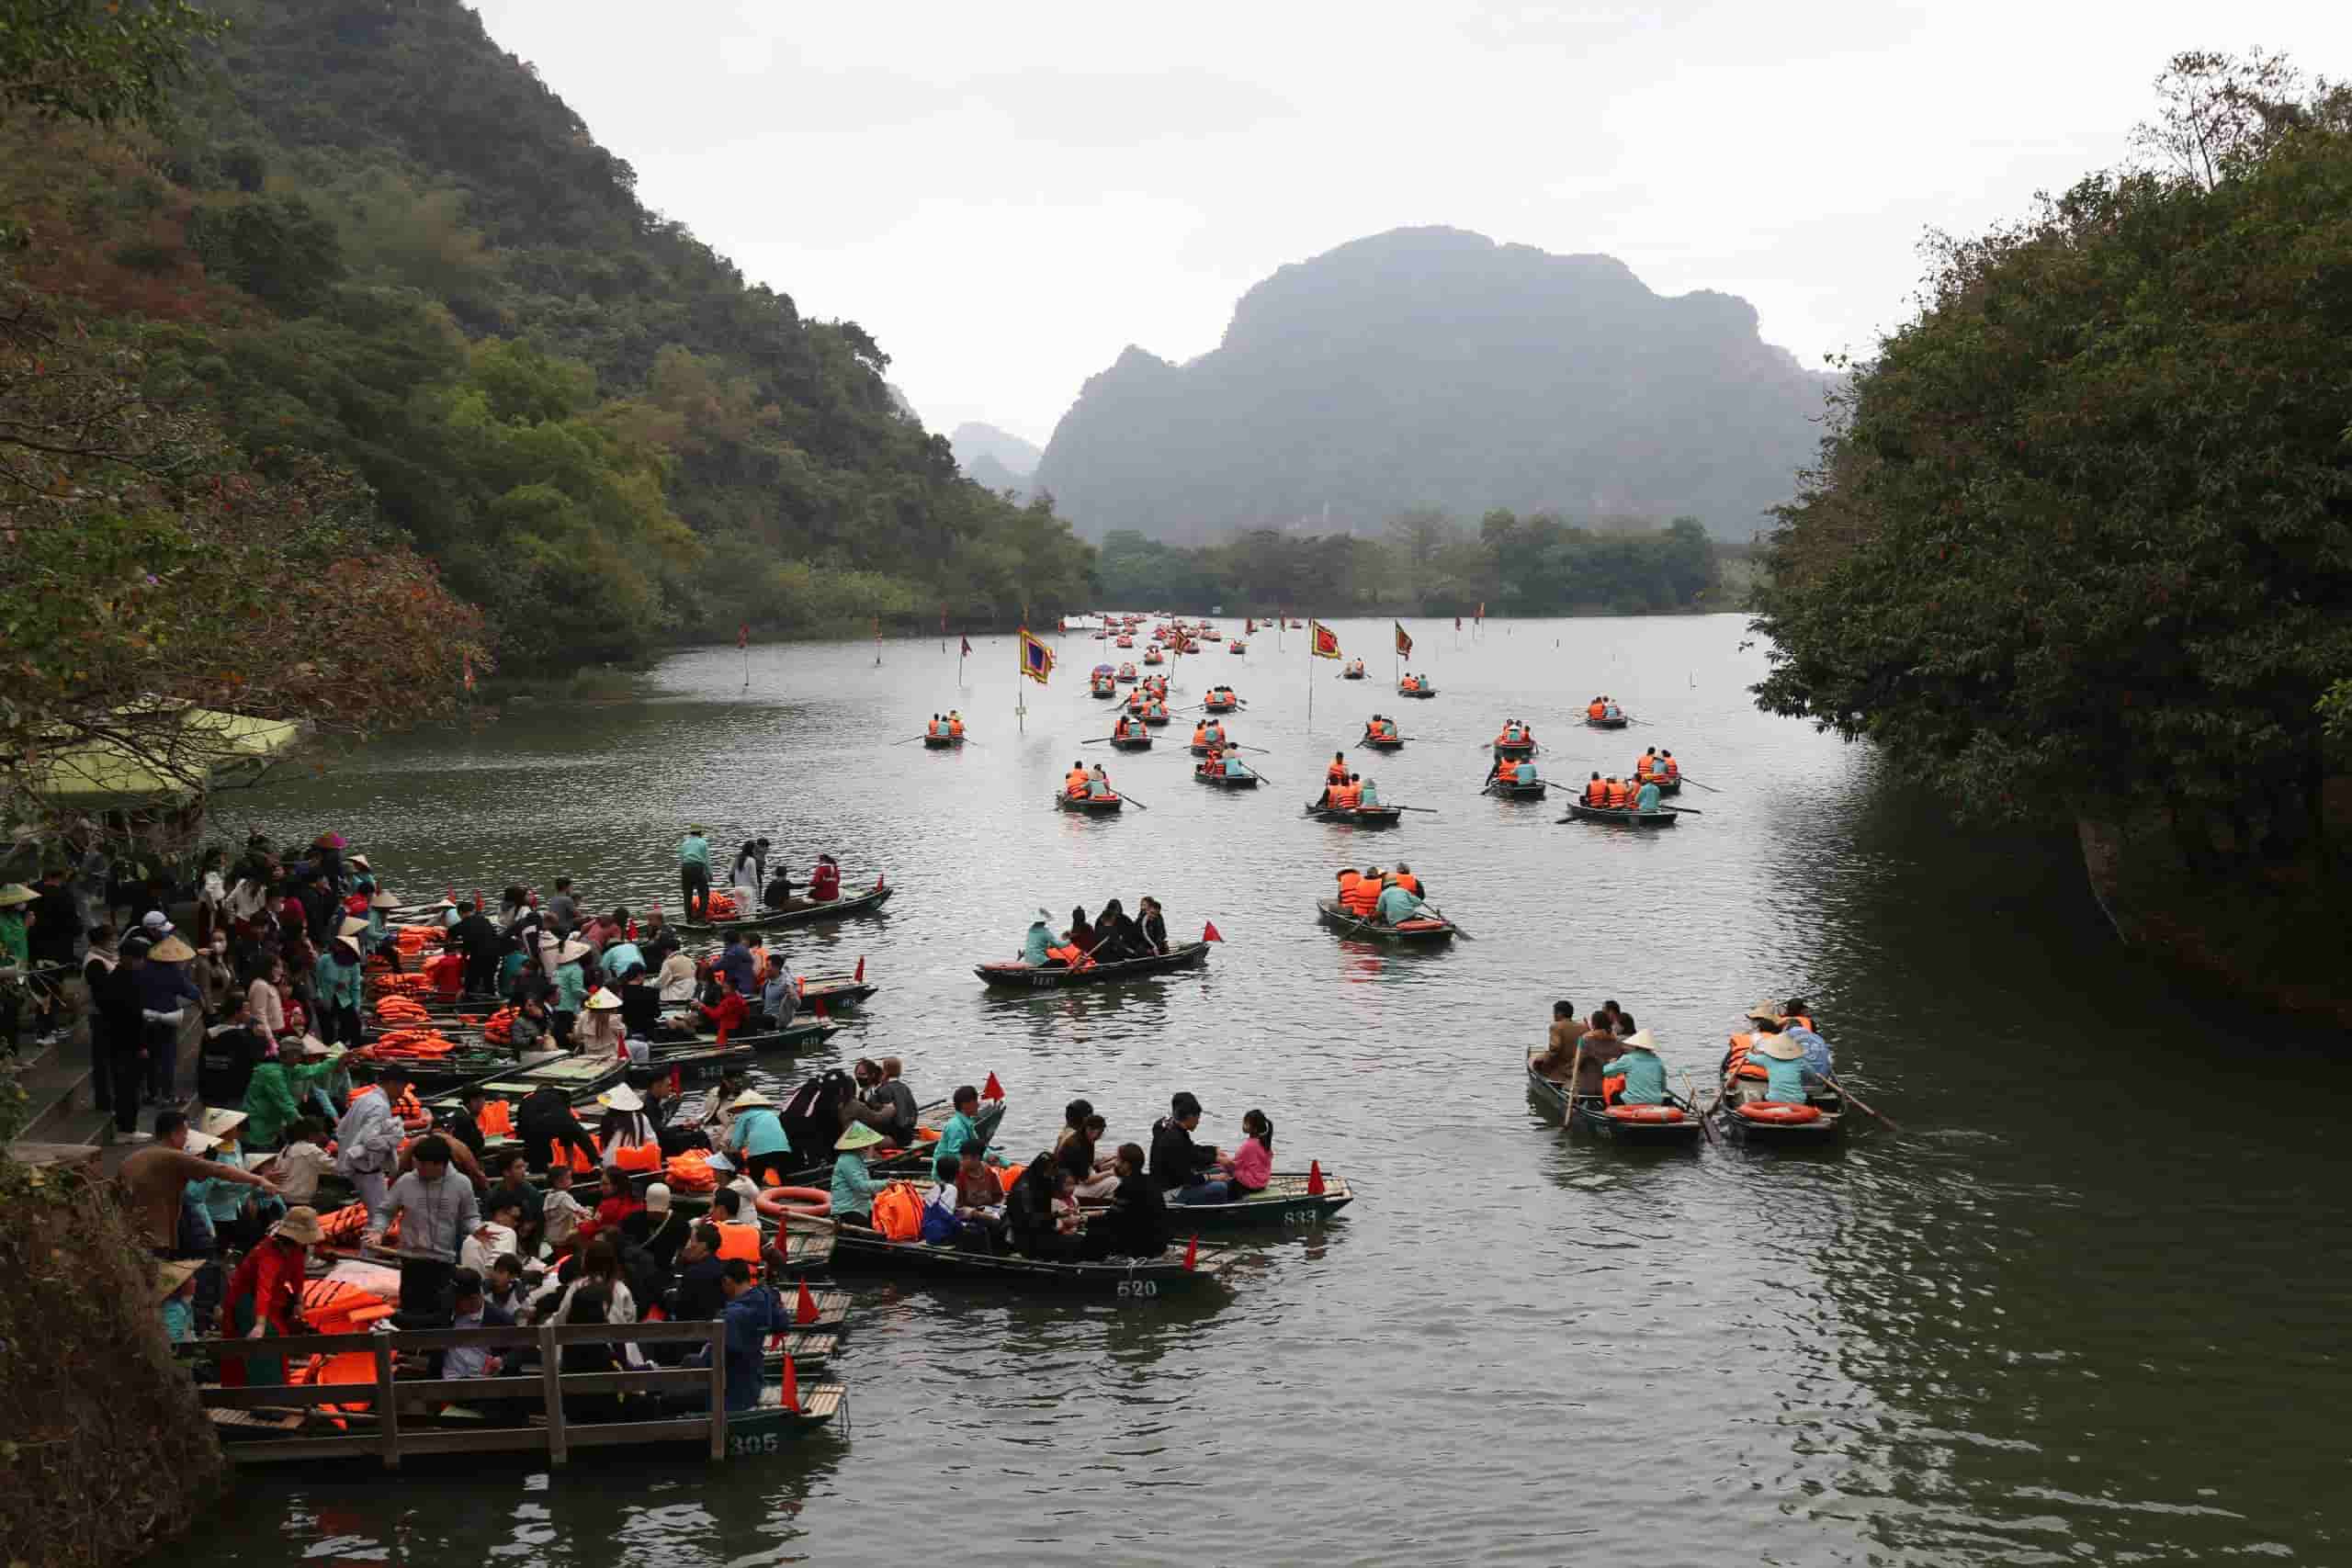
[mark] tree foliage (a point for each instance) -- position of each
(100, 60)
(2082, 534)
(1426, 563)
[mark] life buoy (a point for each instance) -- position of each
(1771, 1112)
(794, 1203)
(1646, 1113)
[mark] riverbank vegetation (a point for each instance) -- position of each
(2079, 542)
(1426, 563)
(371, 249)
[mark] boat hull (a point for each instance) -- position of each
(1435, 933)
(800, 914)
(1579, 812)
(1090, 804)
(1618, 723)
(1226, 781)
(1137, 1280)
(1358, 816)
(1023, 977)
(1502, 791)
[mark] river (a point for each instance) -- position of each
(2087, 1306)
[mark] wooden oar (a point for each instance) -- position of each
(1691, 1095)
(1449, 920)
(1261, 778)
(1683, 810)
(1856, 1099)
(1430, 810)
(1238, 746)
(1138, 805)
(1686, 778)
(1576, 1071)
(911, 738)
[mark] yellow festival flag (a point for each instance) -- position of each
(1036, 659)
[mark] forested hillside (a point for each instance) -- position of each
(1435, 368)
(369, 235)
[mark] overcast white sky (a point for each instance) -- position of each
(1007, 194)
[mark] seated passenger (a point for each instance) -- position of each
(1396, 905)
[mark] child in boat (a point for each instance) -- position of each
(1251, 1164)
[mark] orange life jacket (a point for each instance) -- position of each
(1336, 774)
(1800, 1018)
(1618, 794)
(1074, 783)
(1362, 897)
(1200, 734)
(1507, 772)
(1347, 795)
(1409, 883)
(1741, 1068)
(954, 727)
(934, 728)
(741, 1240)
(638, 1157)
(898, 1212)
(1672, 768)
(1348, 880)
(1596, 793)
(1595, 710)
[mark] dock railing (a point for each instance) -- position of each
(389, 1397)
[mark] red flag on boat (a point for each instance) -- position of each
(743, 634)
(677, 1079)
(861, 969)
(805, 1310)
(968, 648)
(1192, 1253)
(991, 1090)
(1208, 931)
(791, 1386)
(1315, 1178)
(821, 1016)
(632, 927)
(1457, 623)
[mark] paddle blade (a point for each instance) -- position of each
(1208, 931)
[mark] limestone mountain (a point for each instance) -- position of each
(1434, 367)
(995, 459)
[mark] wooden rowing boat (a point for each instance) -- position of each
(799, 912)
(1357, 815)
(1514, 748)
(1105, 689)
(1684, 1128)
(1126, 1279)
(1618, 723)
(1215, 705)
(1426, 931)
(1225, 780)
(1025, 977)
(1285, 1202)
(942, 742)
(1087, 805)
(1131, 743)
(1665, 785)
(1154, 719)
(1417, 690)
(1514, 789)
(1352, 674)
(1384, 742)
(1755, 1123)
(1579, 812)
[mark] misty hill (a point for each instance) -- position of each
(1432, 368)
(995, 459)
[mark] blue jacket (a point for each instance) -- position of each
(1644, 1076)
(1816, 1049)
(757, 1131)
(735, 965)
(1784, 1081)
(750, 1318)
(1396, 905)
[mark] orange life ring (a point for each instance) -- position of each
(1647, 1113)
(1773, 1111)
(794, 1202)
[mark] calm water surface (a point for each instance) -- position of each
(2087, 1307)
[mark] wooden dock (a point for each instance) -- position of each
(284, 1422)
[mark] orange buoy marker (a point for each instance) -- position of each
(1315, 1178)
(1208, 931)
(805, 1312)
(791, 1387)
(992, 1089)
(1192, 1253)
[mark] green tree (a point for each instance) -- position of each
(2082, 534)
(100, 60)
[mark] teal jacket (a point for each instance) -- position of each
(854, 1185)
(695, 849)
(757, 1131)
(1034, 945)
(1644, 1076)
(960, 1130)
(338, 984)
(1647, 799)
(1784, 1081)
(571, 988)
(1396, 905)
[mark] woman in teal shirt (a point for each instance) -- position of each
(757, 1138)
(335, 978)
(1645, 1073)
(1782, 1060)
(854, 1185)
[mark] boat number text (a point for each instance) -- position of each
(758, 1443)
(1137, 1289)
(1301, 1216)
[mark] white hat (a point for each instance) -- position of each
(383, 900)
(620, 1097)
(359, 861)
(750, 1098)
(572, 951)
(656, 1199)
(1640, 1040)
(155, 922)
(602, 1000)
(1780, 1047)
(352, 926)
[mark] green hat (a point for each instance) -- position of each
(858, 1136)
(16, 893)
